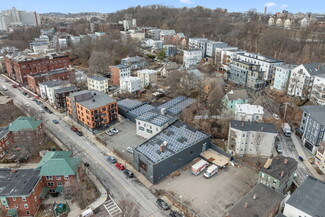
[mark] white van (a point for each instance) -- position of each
(4, 88)
(213, 169)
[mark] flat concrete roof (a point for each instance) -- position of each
(216, 158)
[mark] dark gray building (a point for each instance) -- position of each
(312, 127)
(60, 95)
(307, 200)
(169, 150)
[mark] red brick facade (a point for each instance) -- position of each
(4, 143)
(25, 205)
(118, 72)
(18, 70)
(28, 136)
(34, 80)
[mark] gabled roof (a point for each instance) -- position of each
(58, 163)
(253, 126)
(24, 123)
(237, 94)
(309, 197)
(280, 164)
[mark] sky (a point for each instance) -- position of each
(107, 6)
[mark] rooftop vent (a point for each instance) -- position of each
(282, 173)
(254, 196)
(94, 100)
(246, 205)
(285, 161)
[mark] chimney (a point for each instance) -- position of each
(285, 161)
(254, 196)
(242, 124)
(246, 205)
(162, 148)
(282, 173)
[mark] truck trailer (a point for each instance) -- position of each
(199, 167)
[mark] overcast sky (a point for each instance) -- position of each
(105, 6)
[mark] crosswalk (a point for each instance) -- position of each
(112, 208)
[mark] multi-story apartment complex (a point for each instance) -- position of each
(98, 83)
(153, 34)
(248, 112)
(4, 141)
(92, 109)
(211, 47)
(20, 64)
(281, 76)
(118, 72)
(312, 127)
(317, 95)
(302, 79)
(198, 44)
(266, 64)
(166, 35)
(147, 77)
(130, 84)
(40, 45)
(251, 138)
(278, 173)
(135, 62)
(21, 192)
(192, 58)
(60, 101)
(320, 158)
(225, 55)
(14, 17)
(59, 170)
(56, 74)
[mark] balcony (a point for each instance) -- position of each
(320, 88)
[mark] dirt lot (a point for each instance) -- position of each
(126, 137)
(210, 197)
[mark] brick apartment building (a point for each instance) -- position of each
(26, 130)
(20, 64)
(21, 192)
(58, 170)
(4, 141)
(92, 109)
(56, 74)
(118, 72)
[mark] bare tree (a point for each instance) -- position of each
(129, 209)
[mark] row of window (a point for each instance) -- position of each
(142, 128)
(51, 184)
(56, 178)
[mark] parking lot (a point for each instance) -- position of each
(126, 137)
(210, 197)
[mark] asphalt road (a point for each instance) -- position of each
(289, 150)
(114, 180)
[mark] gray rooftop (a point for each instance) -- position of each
(266, 200)
(17, 182)
(52, 83)
(253, 126)
(278, 165)
(260, 57)
(154, 117)
(98, 78)
(120, 66)
(141, 110)
(52, 72)
(286, 66)
(317, 112)
(178, 137)
(129, 103)
(3, 131)
(237, 94)
(171, 65)
(309, 197)
(97, 100)
(66, 89)
(315, 68)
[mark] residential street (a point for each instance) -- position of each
(113, 179)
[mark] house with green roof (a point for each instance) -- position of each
(58, 169)
(26, 130)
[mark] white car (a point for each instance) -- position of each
(130, 149)
(114, 130)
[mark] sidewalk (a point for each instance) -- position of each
(301, 153)
(92, 138)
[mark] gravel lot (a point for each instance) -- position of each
(210, 197)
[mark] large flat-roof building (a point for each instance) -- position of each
(248, 112)
(169, 150)
(99, 83)
(92, 109)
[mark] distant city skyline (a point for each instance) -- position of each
(108, 6)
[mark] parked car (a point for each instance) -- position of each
(79, 133)
(162, 204)
(114, 130)
(128, 173)
(279, 149)
(175, 214)
(73, 128)
(27, 105)
(14, 86)
(130, 149)
(55, 121)
(110, 133)
(276, 117)
(300, 158)
(111, 159)
(120, 166)
(86, 164)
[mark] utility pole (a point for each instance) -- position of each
(285, 111)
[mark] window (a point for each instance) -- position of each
(26, 205)
(58, 177)
(23, 198)
(141, 128)
(59, 183)
(52, 190)
(66, 177)
(7, 207)
(149, 131)
(50, 184)
(14, 199)
(49, 178)
(16, 206)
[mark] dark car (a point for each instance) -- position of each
(175, 214)
(300, 158)
(162, 204)
(128, 173)
(55, 121)
(73, 128)
(111, 159)
(79, 133)
(86, 164)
